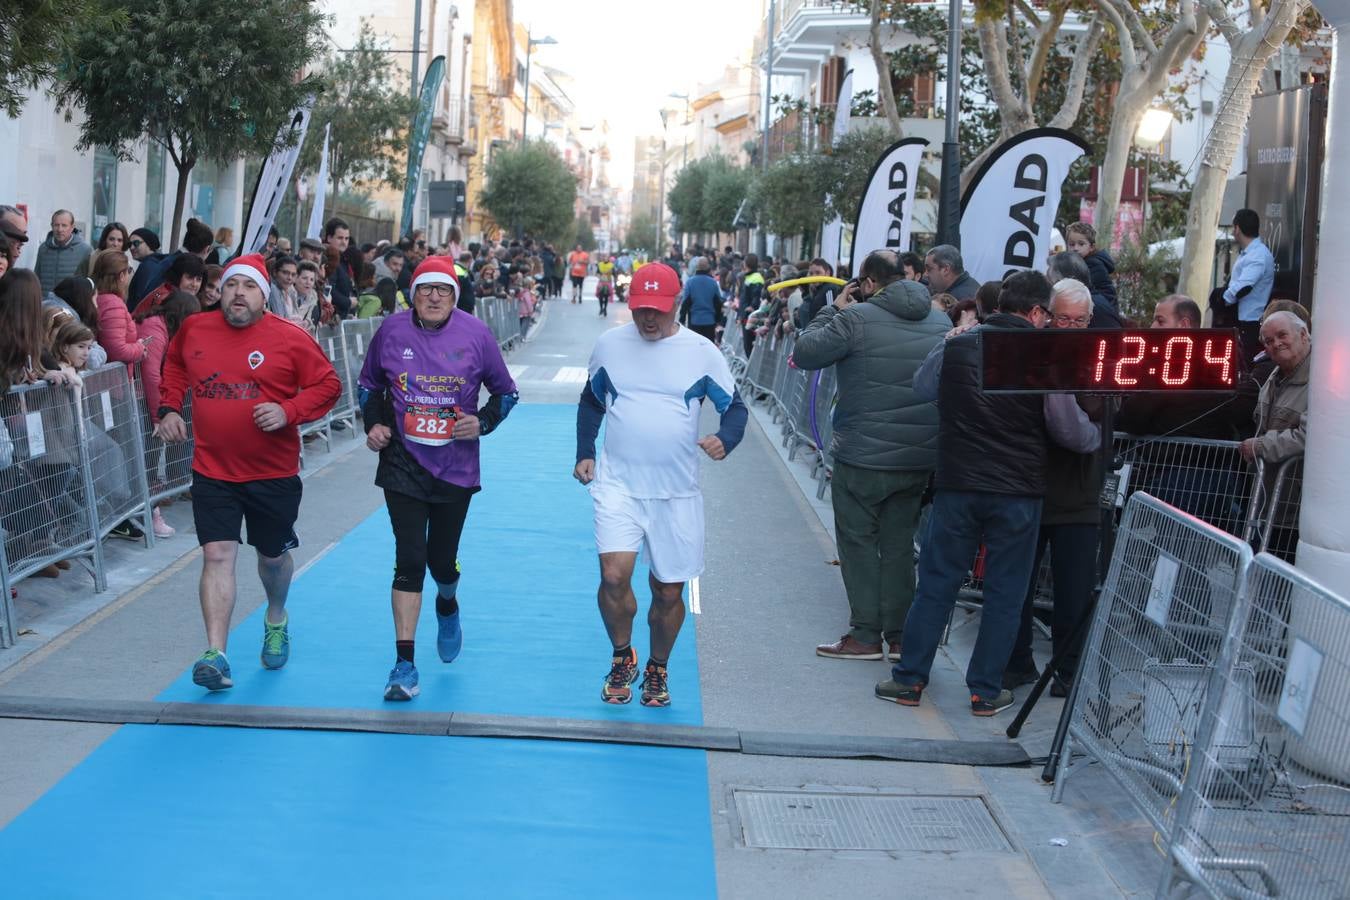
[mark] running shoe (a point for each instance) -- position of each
(655, 687)
(979, 706)
(402, 682)
(162, 528)
(212, 671)
(895, 692)
(449, 636)
(623, 671)
(276, 648)
(127, 531)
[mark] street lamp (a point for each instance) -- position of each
(530, 44)
(1150, 133)
(684, 160)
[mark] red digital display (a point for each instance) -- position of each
(1132, 360)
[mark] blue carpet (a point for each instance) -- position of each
(218, 812)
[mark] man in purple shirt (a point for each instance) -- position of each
(419, 400)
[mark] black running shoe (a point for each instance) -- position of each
(127, 531)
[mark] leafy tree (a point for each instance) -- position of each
(724, 190)
(35, 37)
(201, 79)
(529, 187)
(685, 197)
(790, 195)
(641, 234)
(850, 163)
(583, 234)
(370, 113)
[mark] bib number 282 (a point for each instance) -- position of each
(430, 426)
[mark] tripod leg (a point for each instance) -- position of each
(1015, 728)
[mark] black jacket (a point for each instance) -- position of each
(988, 443)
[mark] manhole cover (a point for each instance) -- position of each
(785, 820)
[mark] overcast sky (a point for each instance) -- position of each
(626, 56)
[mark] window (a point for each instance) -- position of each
(105, 188)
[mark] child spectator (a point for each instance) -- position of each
(1082, 239)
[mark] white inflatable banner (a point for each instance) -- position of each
(887, 208)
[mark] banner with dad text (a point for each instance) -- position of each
(1009, 209)
(886, 211)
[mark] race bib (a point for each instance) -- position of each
(430, 425)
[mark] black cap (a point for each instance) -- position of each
(151, 239)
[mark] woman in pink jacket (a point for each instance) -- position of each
(117, 331)
(159, 325)
(118, 335)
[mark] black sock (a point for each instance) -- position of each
(622, 651)
(446, 606)
(653, 661)
(404, 649)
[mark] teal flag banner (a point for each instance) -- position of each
(417, 140)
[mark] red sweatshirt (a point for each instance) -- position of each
(230, 371)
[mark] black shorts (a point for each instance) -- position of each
(578, 280)
(270, 507)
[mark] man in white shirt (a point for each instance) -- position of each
(650, 378)
(1252, 280)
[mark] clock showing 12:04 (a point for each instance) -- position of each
(1131, 360)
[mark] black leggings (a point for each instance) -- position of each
(426, 535)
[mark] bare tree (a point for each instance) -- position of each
(1146, 60)
(1016, 78)
(879, 10)
(1267, 31)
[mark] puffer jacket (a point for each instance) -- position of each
(56, 263)
(876, 347)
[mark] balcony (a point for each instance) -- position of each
(451, 120)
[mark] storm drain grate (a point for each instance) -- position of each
(783, 820)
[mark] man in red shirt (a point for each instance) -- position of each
(254, 378)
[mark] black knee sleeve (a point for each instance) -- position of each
(410, 569)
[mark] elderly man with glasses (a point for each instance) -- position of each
(14, 225)
(1070, 521)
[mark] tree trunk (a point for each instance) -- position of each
(883, 66)
(1250, 56)
(180, 199)
(1130, 106)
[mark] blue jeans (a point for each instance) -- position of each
(958, 520)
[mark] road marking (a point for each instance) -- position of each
(315, 558)
(517, 371)
(694, 603)
(571, 375)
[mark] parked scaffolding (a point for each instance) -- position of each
(76, 462)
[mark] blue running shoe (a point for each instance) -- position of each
(212, 671)
(449, 636)
(276, 648)
(402, 682)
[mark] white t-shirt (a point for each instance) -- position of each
(651, 392)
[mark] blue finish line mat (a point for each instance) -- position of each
(165, 811)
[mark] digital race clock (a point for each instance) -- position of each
(1132, 360)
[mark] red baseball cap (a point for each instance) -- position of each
(655, 286)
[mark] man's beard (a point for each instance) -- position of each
(247, 318)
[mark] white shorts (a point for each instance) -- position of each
(670, 531)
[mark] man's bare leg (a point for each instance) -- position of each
(217, 590)
(618, 604)
(665, 617)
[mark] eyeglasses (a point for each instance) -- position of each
(1071, 321)
(440, 290)
(135, 242)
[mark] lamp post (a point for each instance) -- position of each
(1150, 133)
(530, 44)
(762, 237)
(661, 204)
(949, 192)
(684, 159)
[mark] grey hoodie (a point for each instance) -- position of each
(876, 347)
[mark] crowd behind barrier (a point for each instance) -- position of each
(75, 462)
(1206, 478)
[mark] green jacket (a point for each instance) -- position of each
(876, 347)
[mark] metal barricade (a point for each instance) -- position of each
(823, 406)
(1265, 810)
(335, 348)
(113, 422)
(1157, 636)
(797, 404)
(168, 466)
(47, 511)
(1207, 479)
(1272, 515)
(356, 338)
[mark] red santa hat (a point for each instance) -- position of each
(436, 270)
(251, 266)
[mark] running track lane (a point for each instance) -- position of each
(160, 811)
